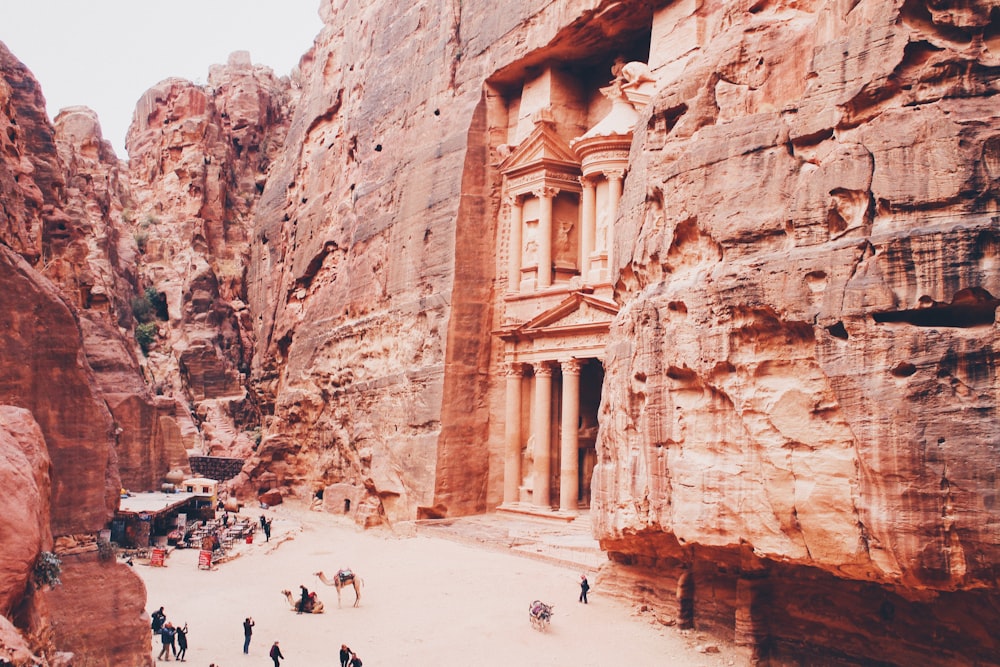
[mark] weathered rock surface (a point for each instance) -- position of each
(797, 423)
(198, 160)
(800, 401)
(51, 220)
(24, 498)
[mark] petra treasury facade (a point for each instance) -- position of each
(720, 278)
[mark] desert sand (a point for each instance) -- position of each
(425, 601)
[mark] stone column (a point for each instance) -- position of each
(512, 435)
(615, 179)
(569, 463)
(541, 429)
(545, 197)
(588, 224)
(514, 251)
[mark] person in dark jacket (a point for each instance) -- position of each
(182, 642)
(345, 655)
(167, 638)
(584, 587)
(276, 654)
(247, 633)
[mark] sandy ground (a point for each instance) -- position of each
(425, 601)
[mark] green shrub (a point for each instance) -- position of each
(145, 335)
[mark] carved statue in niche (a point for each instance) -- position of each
(565, 243)
(529, 254)
(601, 232)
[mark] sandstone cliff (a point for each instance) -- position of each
(198, 160)
(796, 424)
(57, 257)
(797, 397)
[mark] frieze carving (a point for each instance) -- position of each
(559, 177)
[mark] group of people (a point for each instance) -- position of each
(348, 658)
(173, 639)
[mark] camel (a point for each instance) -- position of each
(341, 580)
(315, 608)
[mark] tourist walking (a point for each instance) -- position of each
(266, 523)
(247, 633)
(345, 655)
(182, 642)
(584, 587)
(276, 654)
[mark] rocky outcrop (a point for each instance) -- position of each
(794, 343)
(799, 409)
(25, 487)
(198, 160)
(60, 435)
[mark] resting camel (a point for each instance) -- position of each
(341, 580)
(315, 607)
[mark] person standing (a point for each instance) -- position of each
(276, 654)
(247, 633)
(167, 638)
(345, 655)
(267, 530)
(158, 618)
(584, 587)
(182, 642)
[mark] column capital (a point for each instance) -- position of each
(570, 366)
(512, 199)
(514, 369)
(546, 191)
(588, 181)
(614, 174)
(543, 369)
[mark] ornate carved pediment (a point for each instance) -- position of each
(578, 314)
(542, 156)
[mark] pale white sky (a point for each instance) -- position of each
(105, 54)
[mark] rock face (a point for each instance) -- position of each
(784, 270)
(198, 159)
(59, 434)
(797, 410)
(800, 401)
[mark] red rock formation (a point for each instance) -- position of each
(198, 159)
(800, 402)
(44, 371)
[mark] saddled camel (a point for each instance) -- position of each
(341, 580)
(314, 606)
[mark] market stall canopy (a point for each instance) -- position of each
(153, 504)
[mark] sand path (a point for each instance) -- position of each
(425, 601)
